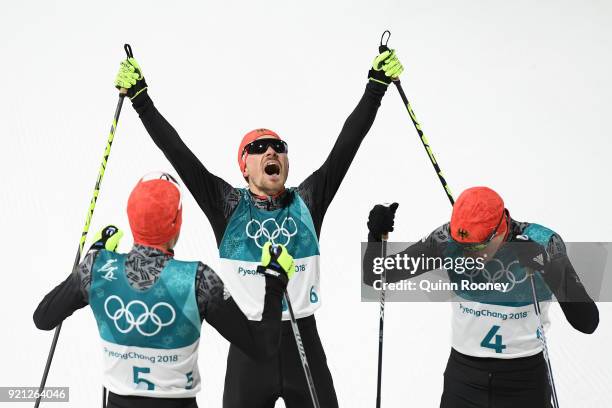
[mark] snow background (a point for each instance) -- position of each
(513, 95)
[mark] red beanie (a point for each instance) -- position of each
(476, 214)
(251, 137)
(154, 209)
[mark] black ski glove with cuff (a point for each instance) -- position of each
(380, 221)
(530, 254)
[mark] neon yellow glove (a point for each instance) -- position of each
(107, 238)
(385, 68)
(276, 261)
(131, 78)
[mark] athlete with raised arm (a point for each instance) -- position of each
(243, 219)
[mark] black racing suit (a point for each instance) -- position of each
(248, 383)
(477, 382)
(143, 268)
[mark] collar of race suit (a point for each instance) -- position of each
(271, 203)
(148, 251)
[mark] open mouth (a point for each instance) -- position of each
(272, 169)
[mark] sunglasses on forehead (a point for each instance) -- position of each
(479, 246)
(261, 145)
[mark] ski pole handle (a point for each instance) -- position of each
(383, 46)
(128, 52)
(275, 250)
(385, 236)
(525, 238)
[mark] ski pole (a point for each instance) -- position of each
(434, 162)
(540, 332)
(90, 211)
(275, 250)
(542, 337)
(381, 324)
(302, 352)
(382, 48)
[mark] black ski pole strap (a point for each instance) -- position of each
(383, 43)
(128, 50)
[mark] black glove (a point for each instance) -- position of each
(380, 221)
(530, 254)
(108, 238)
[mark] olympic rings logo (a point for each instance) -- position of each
(271, 231)
(503, 272)
(127, 312)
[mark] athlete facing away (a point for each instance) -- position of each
(149, 306)
(243, 219)
(494, 361)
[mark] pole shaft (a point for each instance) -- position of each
(425, 142)
(77, 258)
(302, 353)
(542, 336)
(381, 326)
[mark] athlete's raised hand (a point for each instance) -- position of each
(530, 254)
(276, 262)
(385, 68)
(381, 220)
(107, 238)
(131, 78)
